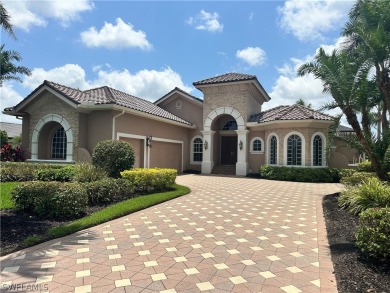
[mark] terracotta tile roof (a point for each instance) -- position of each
(12, 129)
(292, 112)
(227, 77)
(107, 95)
(179, 90)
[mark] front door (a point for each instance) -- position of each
(228, 150)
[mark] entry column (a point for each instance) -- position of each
(208, 146)
(242, 152)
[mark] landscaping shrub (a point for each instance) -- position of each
(50, 199)
(113, 156)
(373, 232)
(357, 178)
(365, 167)
(156, 179)
(3, 138)
(86, 172)
(11, 154)
(300, 174)
(64, 174)
(370, 194)
(22, 171)
(108, 190)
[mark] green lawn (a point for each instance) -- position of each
(109, 213)
(5, 194)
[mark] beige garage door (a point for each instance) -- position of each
(166, 155)
(138, 146)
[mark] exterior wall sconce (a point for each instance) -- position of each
(241, 145)
(149, 141)
(206, 144)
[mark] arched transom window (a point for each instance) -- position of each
(317, 151)
(58, 144)
(294, 150)
(273, 153)
(257, 145)
(230, 125)
(197, 150)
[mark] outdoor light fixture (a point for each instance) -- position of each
(241, 144)
(206, 144)
(149, 141)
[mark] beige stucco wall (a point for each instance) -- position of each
(99, 127)
(342, 155)
(258, 159)
(138, 147)
(44, 105)
(26, 136)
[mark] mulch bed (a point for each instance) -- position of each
(354, 271)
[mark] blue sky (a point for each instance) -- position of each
(147, 48)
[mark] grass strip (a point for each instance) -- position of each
(5, 194)
(109, 213)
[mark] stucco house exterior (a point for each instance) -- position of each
(226, 128)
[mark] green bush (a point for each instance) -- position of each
(108, 190)
(113, 156)
(86, 172)
(23, 171)
(357, 178)
(365, 167)
(51, 199)
(64, 174)
(300, 174)
(155, 179)
(373, 232)
(370, 194)
(3, 138)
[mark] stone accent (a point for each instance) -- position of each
(50, 104)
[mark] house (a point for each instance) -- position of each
(12, 129)
(226, 128)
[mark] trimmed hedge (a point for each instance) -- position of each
(64, 174)
(156, 179)
(51, 199)
(373, 232)
(86, 172)
(22, 171)
(108, 190)
(300, 174)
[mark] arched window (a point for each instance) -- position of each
(273, 150)
(58, 144)
(317, 151)
(294, 150)
(197, 151)
(230, 125)
(257, 145)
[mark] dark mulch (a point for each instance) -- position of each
(354, 271)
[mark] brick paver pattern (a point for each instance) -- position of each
(228, 235)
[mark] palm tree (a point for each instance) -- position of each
(5, 21)
(302, 102)
(344, 77)
(9, 71)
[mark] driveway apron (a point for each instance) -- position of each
(229, 234)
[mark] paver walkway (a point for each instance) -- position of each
(229, 235)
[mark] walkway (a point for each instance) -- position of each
(229, 235)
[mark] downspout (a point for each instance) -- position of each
(113, 123)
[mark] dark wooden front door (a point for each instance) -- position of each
(228, 150)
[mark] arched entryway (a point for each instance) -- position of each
(225, 141)
(52, 139)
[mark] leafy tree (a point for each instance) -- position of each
(344, 77)
(16, 141)
(3, 138)
(8, 70)
(5, 21)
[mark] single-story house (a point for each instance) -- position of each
(12, 129)
(228, 128)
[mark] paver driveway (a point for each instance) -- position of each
(229, 235)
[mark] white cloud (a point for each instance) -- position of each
(119, 36)
(206, 21)
(146, 84)
(308, 20)
(26, 14)
(9, 98)
(252, 55)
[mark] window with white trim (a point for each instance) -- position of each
(294, 150)
(197, 155)
(58, 144)
(273, 150)
(317, 151)
(256, 145)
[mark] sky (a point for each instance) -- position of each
(146, 48)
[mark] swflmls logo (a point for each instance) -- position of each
(24, 287)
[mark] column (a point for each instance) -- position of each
(208, 146)
(242, 152)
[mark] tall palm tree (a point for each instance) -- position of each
(9, 71)
(302, 102)
(5, 21)
(344, 77)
